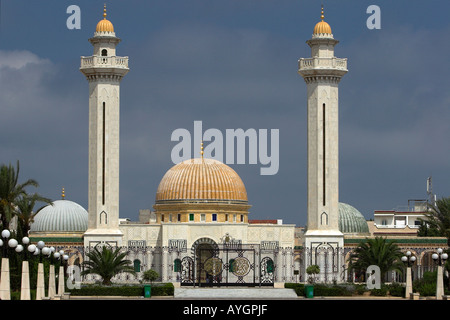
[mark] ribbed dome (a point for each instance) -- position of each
(322, 28)
(351, 220)
(104, 25)
(201, 179)
(63, 215)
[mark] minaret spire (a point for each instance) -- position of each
(201, 149)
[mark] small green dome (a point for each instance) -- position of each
(351, 220)
(61, 215)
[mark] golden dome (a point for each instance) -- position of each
(322, 26)
(201, 179)
(104, 25)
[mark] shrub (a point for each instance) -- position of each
(312, 270)
(331, 290)
(360, 289)
(165, 289)
(299, 288)
(151, 275)
(382, 292)
(397, 290)
(426, 286)
(427, 289)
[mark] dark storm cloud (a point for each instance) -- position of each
(234, 70)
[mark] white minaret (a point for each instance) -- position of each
(104, 71)
(322, 73)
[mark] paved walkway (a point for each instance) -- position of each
(234, 293)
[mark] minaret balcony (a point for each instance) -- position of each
(100, 61)
(318, 66)
(110, 67)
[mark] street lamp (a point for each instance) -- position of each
(40, 246)
(408, 260)
(5, 236)
(52, 276)
(5, 287)
(62, 258)
(440, 257)
(40, 287)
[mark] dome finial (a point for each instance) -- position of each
(104, 11)
(63, 195)
(201, 149)
(322, 16)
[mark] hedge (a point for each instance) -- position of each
(345, 290)
(165, 289)
(299, 288)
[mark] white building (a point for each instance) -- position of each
(199, 231)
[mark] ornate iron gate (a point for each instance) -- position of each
(187, 271)
(227, 265)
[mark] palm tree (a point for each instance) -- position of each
(437, 221)
(377, 251)
(107, 263)
(25, 214)
(10, 191)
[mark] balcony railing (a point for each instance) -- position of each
(322, 63)
(396, 226)
(99, 61)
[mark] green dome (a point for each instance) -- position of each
(351, 220)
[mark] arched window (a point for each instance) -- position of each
(103, 217)
(177, 265)
(137, 265)
(104, 53)
(324, 219)
(231, 265)
(269, 266)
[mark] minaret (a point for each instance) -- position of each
(322, 73)
(104, 71)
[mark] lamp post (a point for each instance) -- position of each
(5, 284)
(5, 236)
(440, 257)
(25, 283)
(62, 258)
(51, 280)
(40, 286)
(409, 260)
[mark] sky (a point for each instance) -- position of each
(231, 64)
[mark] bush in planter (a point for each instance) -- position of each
(312, 271)
(150, 275)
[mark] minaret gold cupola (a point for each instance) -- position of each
(322, 28)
